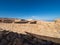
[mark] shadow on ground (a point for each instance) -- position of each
(13, 38)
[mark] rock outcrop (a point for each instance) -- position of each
(13, 38)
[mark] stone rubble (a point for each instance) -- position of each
(13, 38)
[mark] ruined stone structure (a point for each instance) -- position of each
(49, 29)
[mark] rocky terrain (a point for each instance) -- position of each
(42, 28)
(13, 38)
(51, 29)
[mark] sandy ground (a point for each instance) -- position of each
(51, 29)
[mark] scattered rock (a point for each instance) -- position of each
(12, 38)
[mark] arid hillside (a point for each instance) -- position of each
(51, 29)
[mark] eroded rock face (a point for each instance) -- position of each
(12, 38)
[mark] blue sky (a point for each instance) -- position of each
(27, 9)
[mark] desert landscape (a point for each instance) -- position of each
(46, 30)
(29, 22)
